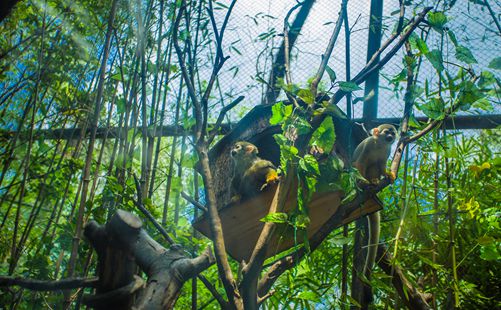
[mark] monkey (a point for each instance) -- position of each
(370, 158)
(251, 174)
(371, 155)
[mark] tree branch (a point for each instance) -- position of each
(194, 202)
(221, 116)
(372, 65)
(277, 68)
(41, 285)
(218, 62)
(140, 206)
(223, 303)
(326, 56)
(186, 76)
(411, 296)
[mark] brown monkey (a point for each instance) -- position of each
(370, 159)
(251, 174)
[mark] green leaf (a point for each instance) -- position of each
(116, 77)
(120, 105)
(489, 253)
(464, 54)
(452, 36)
(331, 73)
(422, 46)
(483, 104)
(325, 135)
(486, 240)
(348, 86)
(435, 58)
(279, 112)
(468, 94)
(339, 241)
(437, 20)
(495, 63)
(301, 125)
(276, 114)
(486, 79)
(308, 295)
(306, 96)
(278, 217)
(434, 108)
(413, 122)
(309, 164)
(301, 221)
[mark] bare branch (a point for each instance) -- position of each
(277, 70)
(218, 62)
(266, 296)
(186, 76)
(140, 206)
(194, 202)
(326, 56)
(41, 285)
(373, 65)
(223, 303)
(493, 15)
(221, 116)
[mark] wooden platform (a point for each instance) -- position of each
(242, 225)
(241, 222)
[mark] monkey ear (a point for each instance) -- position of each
(251, 149)
(375, 132)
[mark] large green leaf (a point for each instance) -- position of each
(325, 135)
(435, 58)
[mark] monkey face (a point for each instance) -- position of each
(243, 149)
(388, 133)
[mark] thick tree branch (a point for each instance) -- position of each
(410, 295)
(166, 269)
(42, 285)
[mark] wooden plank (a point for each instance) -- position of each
(242, 226)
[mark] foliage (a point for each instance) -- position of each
(50, 56)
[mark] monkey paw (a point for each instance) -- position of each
(271, 178)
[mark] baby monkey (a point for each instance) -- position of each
(370, 159)
(251, 174)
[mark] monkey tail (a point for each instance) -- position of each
(374, 223)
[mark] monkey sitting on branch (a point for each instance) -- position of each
(372, 153)
(251, 174)
(370, 158)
